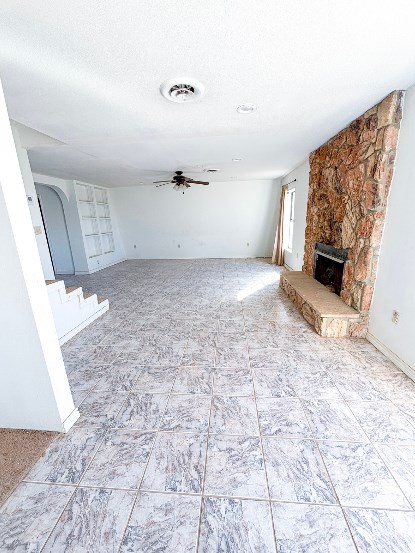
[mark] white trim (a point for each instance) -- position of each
(69, 335)
(100, 267)
(71, 420)
(407, 369)
(287, 267)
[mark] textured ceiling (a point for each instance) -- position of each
(87, 73)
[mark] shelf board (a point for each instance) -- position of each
(87, 217)
(92, 234)
(108, 232)
(102, 203)
(86, 201)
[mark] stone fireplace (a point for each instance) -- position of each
(329, 266)
(350, 178)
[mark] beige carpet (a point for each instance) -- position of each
(19, 450)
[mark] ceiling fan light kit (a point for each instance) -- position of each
(180, 182)
(182, 90)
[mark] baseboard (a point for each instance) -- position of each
(287, 267)
(71, 420)
(407, 369)
(80, 273)
(84, 324)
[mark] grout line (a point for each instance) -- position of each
(205, 463)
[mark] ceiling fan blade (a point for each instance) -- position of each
(157, 181)
(199, 182)
(158, 185)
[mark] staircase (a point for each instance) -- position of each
(73, 309)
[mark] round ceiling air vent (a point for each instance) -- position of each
(182, 90)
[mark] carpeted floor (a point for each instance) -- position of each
(19, 451)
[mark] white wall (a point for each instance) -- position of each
(395, 283)
(57, 234)
(294, 259)
(34, 389)
(224, 219)
(34, 206)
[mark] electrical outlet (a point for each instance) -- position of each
(395, 317)
(38, 230)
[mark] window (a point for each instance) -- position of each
(289, 219)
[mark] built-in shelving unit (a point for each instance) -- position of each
(96, 221)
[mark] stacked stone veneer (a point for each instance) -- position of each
(350, 177)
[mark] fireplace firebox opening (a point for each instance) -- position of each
(329, 265)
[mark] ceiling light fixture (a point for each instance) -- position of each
(237, 159)
(246, 108)
(182, 90)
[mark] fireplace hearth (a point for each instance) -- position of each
(329, 265)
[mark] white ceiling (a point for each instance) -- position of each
(87, 73)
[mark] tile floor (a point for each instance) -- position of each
(214, 419)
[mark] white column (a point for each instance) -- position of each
(34, 389)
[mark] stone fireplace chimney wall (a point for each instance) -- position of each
(350, 177)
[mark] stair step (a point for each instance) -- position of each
(70, 289)
(88, 294)
(51, 282)
(101, 299)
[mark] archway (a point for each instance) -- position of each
(56, 229)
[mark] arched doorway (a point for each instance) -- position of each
(56, 230)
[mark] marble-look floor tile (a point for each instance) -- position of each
(29, 515)
(142, 411)
(67, 457)
(156, 380)
(231, 340)
(296, 471)
(282, 417)
(408, 409)
(100, 408)
(396, 386)
(235, 467)
(94, 520)
(233, 382)
(187, 413)
(357, 385)
(383, 422)
(176, 464)
(118, 379)
(235, 525)
(400, 460)
(198, 357)
(234, 415)
(120, 460)
(231, 357)
(314, 384)
(193, 380)
(332, 420)
(87, 377)
(360, 477)
(273, 383)
(376, 531)
(231, 325)
(163, 522)
(311, 529)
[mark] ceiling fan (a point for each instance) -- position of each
(180, 182)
